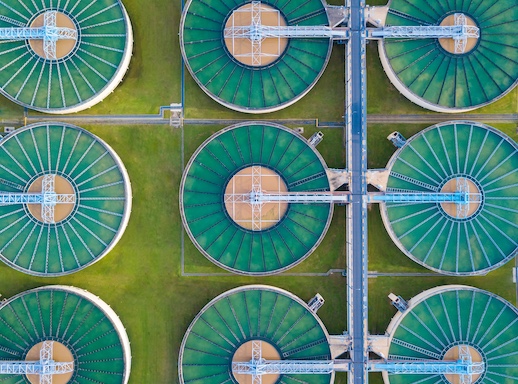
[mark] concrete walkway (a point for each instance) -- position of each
(511, 118)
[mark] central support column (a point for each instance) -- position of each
(356, 138)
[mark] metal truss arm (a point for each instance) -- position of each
(426, 32)
(257, 197)
(292, 367)
(429, 367)
(460, 32)
(7, 198)
(261, 32)
(48, 198)
(463, 366)
(34, 368)
(46, 367)
(49, 33)
(459, 197)
(256, 31)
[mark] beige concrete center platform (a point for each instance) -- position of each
(63, 47)
(61, 211)
(242, 212)
(244, 354)
(60, 354)
(266, 50)
(449, 44)
(453, 354)
(451, 208)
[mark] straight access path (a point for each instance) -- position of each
(356, 235)
(151, 119)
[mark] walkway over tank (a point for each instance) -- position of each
(238, 318)
(450, 321)
(49, 33)
(62, 333)
(247, 85)
(45, 367)
(464, 368)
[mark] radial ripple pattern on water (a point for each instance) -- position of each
(461, 316)
(211, 228)
(246, 88)
(69, 317)
(445, 80)
(250, 313)
(101, 211)
(424, 231)
(96, 64)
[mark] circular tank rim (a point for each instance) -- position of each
(98, 302)
(426, 294)
(236, 107)
(188, 230)
(108, 88)
(405, 91)
(384, 212)
(128, 199)
(242, 289)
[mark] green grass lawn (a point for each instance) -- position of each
(155, 71)
(141, 278)
(9, 110)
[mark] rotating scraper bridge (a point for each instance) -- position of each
(267, 206)
(60, 334)
(262, 334)
(63, 57)
(65, 199)
(421, 51)
(261, 56)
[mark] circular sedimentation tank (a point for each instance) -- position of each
(480, 237)
(432, 75)
(83, 71)
(83, 329)
(442, 319)
(85, 229)
(223, 330)
(223, 67)
(227, 231)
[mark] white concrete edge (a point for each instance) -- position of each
(241, 289)
(127, 201)
(389, 71)
(108, 311)
(182, 211)
(112, 83)
(414, 301)
(384, 211)
(237, 107)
